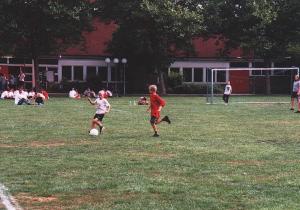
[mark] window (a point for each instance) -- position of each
(198, 74)
(187, 74)
(260, 72)
(67, 72)
(78, 73)
(221, 76)
(102, 72)
(91, 72)
(208, 75)
(54, 69)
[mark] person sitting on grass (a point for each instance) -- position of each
(11, 94)
(89, 93)
(102, 108)
(106, 93)
(21, 98)
(143, 101)
(4, 94)
(31, 94)
(156, 104)
(39, 98)
(296, 88)
(74, 94)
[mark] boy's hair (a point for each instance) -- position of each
(153, 88)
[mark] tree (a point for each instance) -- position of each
(150, 33)
(33, 28)
(266, 29)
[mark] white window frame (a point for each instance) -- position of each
(199, 64)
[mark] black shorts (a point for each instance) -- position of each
(99, 117)
(153, 120)
(294, 95)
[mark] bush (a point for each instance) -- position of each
(195, 89)
(94, 83)
(174, 79)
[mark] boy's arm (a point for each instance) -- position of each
(108, 106)
(159, 108)
(91, 102)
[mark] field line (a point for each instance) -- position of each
(7, 200)
(256, 102)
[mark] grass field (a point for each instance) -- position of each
(241, 156)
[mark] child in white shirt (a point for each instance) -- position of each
(227, 92)
(102, 107)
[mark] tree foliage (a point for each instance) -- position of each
(149, 32)
(32, 28)
(267, 28)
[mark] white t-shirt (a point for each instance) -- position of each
(25, 94)
(296, 86)
(4, 94)
(227, 90)
(10, 94)
(72, 94)
(31, 94)
(102, 106)
(22, 77)
(19, 96)
(15, 93)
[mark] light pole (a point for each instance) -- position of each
(107, 61)
(116, 62)
(124, 61)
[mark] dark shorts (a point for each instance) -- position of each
(99, 116)
(153, 120)
(294, 95)
(39, 100)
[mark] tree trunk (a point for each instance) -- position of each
(162, 83)
(36, 79)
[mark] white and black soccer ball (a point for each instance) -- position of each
(94, 132)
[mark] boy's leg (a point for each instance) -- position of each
(21, 102)
(224, 98)
(153, 122)
(227, 99)
(97, 121)
(292, 103)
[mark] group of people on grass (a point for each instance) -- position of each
(74, 93)
(22, 96)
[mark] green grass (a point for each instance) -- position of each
(241, 156)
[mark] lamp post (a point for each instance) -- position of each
(107, 61)
(116, 62)
(124, 61)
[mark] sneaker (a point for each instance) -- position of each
(155, 135)
(291, 108)
(167, 119)
(298, 111)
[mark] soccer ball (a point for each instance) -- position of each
(94, 132)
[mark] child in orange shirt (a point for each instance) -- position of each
(156, 104)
